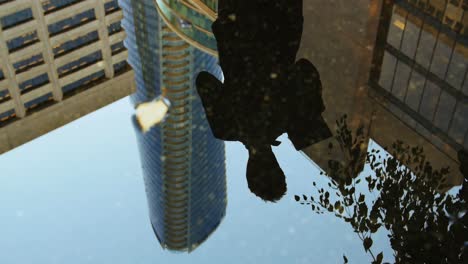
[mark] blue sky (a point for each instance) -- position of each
(76, 195)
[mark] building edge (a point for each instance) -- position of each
(61, 113)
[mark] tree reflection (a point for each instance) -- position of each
(425, 223)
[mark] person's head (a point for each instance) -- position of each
(264, 175)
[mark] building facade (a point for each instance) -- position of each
(191, 20)
(59, 60)
(402, 67)
(421, 60)
(183, 164)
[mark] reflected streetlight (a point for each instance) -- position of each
(152, 113)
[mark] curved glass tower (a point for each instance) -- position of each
(183, 164)
(191, 20)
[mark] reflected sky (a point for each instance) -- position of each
(73, 205)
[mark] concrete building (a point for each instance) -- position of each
(59, 60)
(183, 164)
(403, 65)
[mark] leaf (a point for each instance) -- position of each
(304, 197)
(345, 259)
(297, 198)
(361, 198)
(337, 204)
(379, 258)
(362, 226)
(363, 209)
(367, 243)
(341, 209)
(374, 227)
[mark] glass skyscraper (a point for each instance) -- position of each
(183, 164)
(191, 20)
(420, 67)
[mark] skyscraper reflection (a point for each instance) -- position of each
(183, 164)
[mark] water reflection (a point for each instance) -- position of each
(404, 193)
(183, 164)
(417, 76)
(265, 91)
(425, 223)
(415, 92)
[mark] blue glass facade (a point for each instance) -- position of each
(183, 164)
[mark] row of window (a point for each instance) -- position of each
(23, 65)
(423, 73)
(66, 69)
(44, 100)
(26, 15)
(69, 68)
(30, 38)
(445, 11)
(441, 56)
(424, 99)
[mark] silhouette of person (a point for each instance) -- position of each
(265, 92)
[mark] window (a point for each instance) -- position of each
(426, 46)
(33, 83)
(387, 70)
(441, 56)
(444, 111)
(414, 92)
(459, 127)
(401, 80)
(429, 100)
(410, 38)
(22, 41)
(17, 18)
(395, 32)
(71, 22)
(457, 67)
(24, 65)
